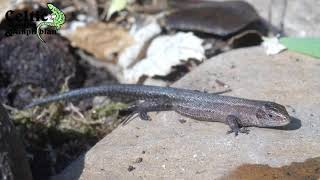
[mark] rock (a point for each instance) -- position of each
(301, 18)
(218, 18)
(27, 62)
(196, 149)
(13, 158)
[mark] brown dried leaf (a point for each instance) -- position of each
(101, 39)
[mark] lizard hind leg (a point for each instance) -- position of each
(141, 110)
(135, 110)
(143, 115)
(125, 120)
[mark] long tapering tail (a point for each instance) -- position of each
(74, 94)
(132, 91)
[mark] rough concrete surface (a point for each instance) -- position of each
(173, 149)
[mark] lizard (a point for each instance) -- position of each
(58, 19)
(237, 113)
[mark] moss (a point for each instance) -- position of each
(63, 131)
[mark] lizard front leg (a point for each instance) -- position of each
(233, 123)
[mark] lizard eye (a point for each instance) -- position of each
(270, 115)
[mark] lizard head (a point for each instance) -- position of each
(271, 114)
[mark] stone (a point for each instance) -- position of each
(197, 149)
(218, 18)
(300, 18)
(27, 62)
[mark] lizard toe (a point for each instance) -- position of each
(236, 132)
(144, 116)
(244, 130)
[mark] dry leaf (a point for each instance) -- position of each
(141, 36)
(101, 39)
(165, 52)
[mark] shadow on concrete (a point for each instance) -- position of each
(293, 125)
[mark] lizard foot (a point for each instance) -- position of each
(243, 130)
(143, 116)
(232, 121)
(127, 119)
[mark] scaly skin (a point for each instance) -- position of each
(58, 20)
(233, 111)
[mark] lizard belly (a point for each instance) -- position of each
(199, 111)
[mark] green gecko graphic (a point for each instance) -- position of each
(58, 20)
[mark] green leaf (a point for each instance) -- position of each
(308, 46)
(116, 6)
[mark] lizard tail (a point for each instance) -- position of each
(79, 93)
(38, 29)
(131, 91)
